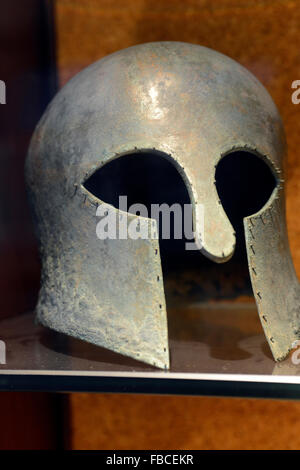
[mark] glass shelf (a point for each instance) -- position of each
(216, 349)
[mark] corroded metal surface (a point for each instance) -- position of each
(274, 281)
(193, 106)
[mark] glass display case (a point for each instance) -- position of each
(215, 349)
(217, 345)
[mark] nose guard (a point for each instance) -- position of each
(193, 106)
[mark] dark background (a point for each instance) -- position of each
(28, 69)
(27, 66)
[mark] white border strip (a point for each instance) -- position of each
(284, 379)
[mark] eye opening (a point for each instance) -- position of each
(245, 182)
(138, 160)
(146, 177)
